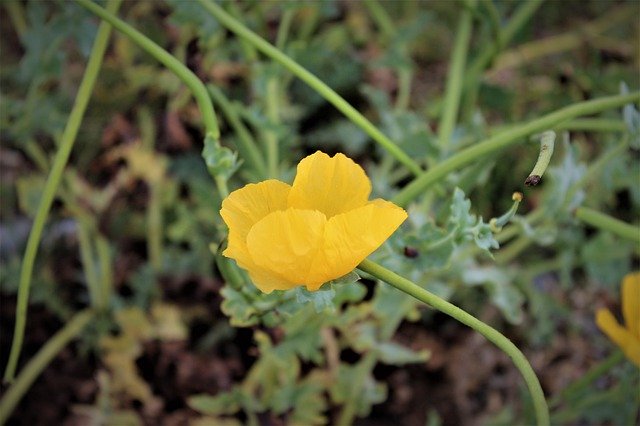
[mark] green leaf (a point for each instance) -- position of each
(223, 403)
(499, 283)
(607, 259)
(238, 308)
(29, 190)
(355, 385)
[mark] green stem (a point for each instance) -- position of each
(607, 223)
(592, 125)
(271, 138)
(106, 275)
(512, 251)
(493, 335)
(87, 256)
(512, 230)
(314, 82)
(154, 225)
(284, 28)
(51, 186)
(16, 16)
(165, 58)
(39, 362)
(455, 79)
(246, 144)
(506, 138)
(598, 370)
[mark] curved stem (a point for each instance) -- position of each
(608, 223)
(51, 186)
(493, 335)
(39, 362)
(504, 139)
(314, 82)
(165, 58)
(455, 79)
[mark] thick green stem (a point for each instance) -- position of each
(39, 362)
(314, 82)
(51, 186)
(455, 79)
(506, 138)
(165, 58)
(607, 223)
(493, 335)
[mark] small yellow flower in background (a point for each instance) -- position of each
(628, 337)
(314, 231)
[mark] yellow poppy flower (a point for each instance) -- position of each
(628, 338)
(314, 231)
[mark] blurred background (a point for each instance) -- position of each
(136, 214)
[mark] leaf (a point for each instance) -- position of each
(499, 283)
(29, 189)
(238, 308)
(322, 299)
(356, 385)
(607, 258)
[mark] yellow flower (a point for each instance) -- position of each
(316, 230)
(628, 338)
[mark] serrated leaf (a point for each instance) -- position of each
(238, 308)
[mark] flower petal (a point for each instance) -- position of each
(332, 185)
(285, 243)
(631, 302)
(350, 237)
(245, 207)
(622, 337)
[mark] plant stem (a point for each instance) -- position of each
(165, 58)
(51, 186)
(106, 275)
(455, 79)
(592, 125)
(504, 139)
(246, 144)
(493, 335)
(154, 225)
(271, 137)
(607, 223)
(598, 370)
(512, 250)
(87, 256)
(39, 362)
(314, 82)
(16, 16)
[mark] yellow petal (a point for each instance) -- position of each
(332, 185)
(285, 243)
(245, 207)
(350, 237)
(631, 302)
(622, 337)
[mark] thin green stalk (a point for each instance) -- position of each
(39, 362)
(165, 58)
(246, 144)
(607, 223)
(455, 78)
(504, 139)
(512, 230)
(596, 371)
(592, 125)
(154, 225)
(223, 189)
(16, 15)
(284, 28)
(271, 138)
(106, 275)
(314, 82)
(87, 256)
(513, 250)
(493, 335)
(51, 186)
(389, 31)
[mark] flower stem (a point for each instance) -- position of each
(455, 79)
(53, 180)
(314, 82)
(39, 362)
(493, 335)
(504, 139)
(608, 223)
(165, 58)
